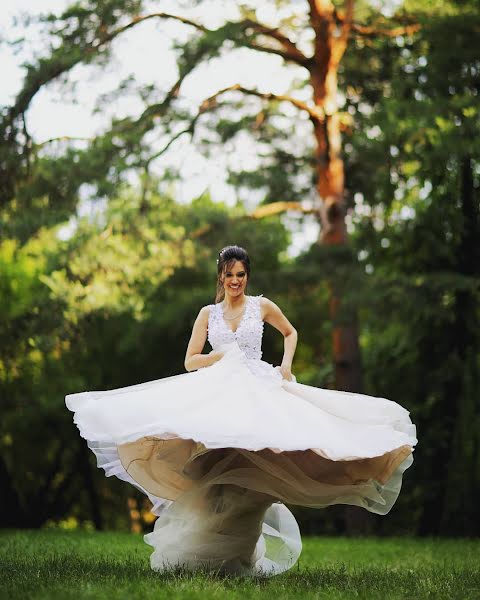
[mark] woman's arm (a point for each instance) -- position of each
(194, 359)
(272, 314)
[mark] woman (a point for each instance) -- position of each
(220, 448)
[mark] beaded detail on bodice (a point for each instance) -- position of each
(248, 334)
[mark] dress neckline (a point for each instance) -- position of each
(247, 301)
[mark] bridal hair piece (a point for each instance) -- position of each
(226, 258)
(220, 254)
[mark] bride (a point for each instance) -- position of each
(221, 448)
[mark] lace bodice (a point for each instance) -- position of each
(248, 334)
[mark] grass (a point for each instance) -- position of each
(50, 564)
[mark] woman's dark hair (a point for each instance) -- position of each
(226, 259)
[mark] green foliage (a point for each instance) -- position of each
(113, 304)
(110, 306)
(416, 225)
(80, 35)
(18, 280)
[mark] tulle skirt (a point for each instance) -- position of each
(220, 450)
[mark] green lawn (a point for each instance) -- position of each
(52, 564)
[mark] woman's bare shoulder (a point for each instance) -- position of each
(267, 306)
(266, 302)
(204, 312)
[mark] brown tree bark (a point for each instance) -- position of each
(330, 44)
(331, 39)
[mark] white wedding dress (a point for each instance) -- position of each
(219, 450)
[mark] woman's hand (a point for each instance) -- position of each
(286, 372)
(272, 314)
(215, 356)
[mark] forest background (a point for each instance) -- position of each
(359, 209)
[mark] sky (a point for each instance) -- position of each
(145, 52)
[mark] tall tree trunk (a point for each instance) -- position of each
(330, 45)
(459, 511)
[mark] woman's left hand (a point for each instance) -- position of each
(286, 372)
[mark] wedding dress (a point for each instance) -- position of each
(220, 450)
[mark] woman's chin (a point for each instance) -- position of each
(234, 293)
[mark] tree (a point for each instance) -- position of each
(83, 34)
(416, 227)
(406, 199)
(111, 306)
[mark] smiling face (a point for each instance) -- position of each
(234, 279)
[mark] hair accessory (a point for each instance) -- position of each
(220, 254)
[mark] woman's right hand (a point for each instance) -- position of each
(216, 355)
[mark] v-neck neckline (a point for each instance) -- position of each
(241, 320)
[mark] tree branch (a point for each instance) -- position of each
(287, 56)
(341, 43)
(210, 103)
(315, 113)
(159, 109)
(190, 129)
(408, 28)
(290, 50)
(367, 31)
(274, 208)
(141, 19)
(261, 212)
(63, 138)
(149, 113)
(317, 7)
(274, 33)
(289, 53)
(58, 68)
